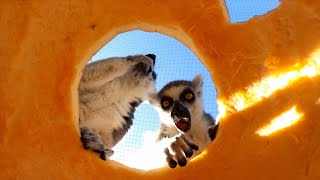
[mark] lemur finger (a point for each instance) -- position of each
(182, 161)
(86, 136)
(184, 146)
(98, 146)
(212, 131)
(106, 154)
(90, 140)
(190, 143)
(89, 137)
(171, 162)
(84, 130)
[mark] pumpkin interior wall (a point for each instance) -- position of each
(45, 45)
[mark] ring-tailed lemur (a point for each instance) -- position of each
(109, 92)
(183, 121)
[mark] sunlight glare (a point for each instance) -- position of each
(317, 101)
(222, 110)
(267, 86)
(149, 156)
(286, 119)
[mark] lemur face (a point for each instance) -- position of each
(181, 101)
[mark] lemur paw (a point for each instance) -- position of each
(181, 148)
(144, 67)
(92, 142)
(212, 131)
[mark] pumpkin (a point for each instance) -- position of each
(266, 72)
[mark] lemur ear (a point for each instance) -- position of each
(152, 56)
(197, 84)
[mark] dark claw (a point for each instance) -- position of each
(85, 146)
(103, 155)
(182, 162)
(189, 153)
(194, 147)
(84, 130)
(172, 163)
(109, 152)
(82, 138)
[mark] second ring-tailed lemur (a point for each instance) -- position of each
(183, 121)
(109, 92)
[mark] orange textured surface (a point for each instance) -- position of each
(265, 70)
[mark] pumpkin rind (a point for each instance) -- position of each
(45, 45)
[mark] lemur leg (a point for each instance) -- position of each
(93, 142)
(182, 147)
(212, 131)
(97, 73)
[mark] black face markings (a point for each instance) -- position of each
(166, 102)
(187, 95)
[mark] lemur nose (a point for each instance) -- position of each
(179, 110)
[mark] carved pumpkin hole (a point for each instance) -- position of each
(174, 61)
(241, 11)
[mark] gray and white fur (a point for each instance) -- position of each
(109, 92)
(183, 120)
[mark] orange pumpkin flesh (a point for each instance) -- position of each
(265, 70)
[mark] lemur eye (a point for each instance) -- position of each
(189, 96)
(165, 104)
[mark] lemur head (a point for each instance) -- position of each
(180, 102)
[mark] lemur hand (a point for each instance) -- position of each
(145, 68)
(93, 142)
(181, 148)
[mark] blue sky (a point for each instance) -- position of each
(174, 61)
